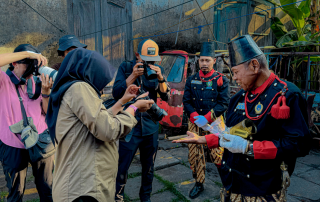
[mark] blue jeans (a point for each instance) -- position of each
(148, 146)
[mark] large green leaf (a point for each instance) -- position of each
(295, 14)
(305, 8)
(288, 37)
(278, 28)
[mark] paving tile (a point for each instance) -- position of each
(132, 187)
(175, 174)
(163, 160)
(162, 136)
(135, 168)
(212, 173)
(292, 199)
(301, 168)
(312, 176)
(311, 160)
(180, 153)
(166, 144)
(302, 188)
(211, 191)
(166, 196)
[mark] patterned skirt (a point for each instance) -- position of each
(280, 196)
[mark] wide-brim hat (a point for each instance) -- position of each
(69, 41)
(207, 49)
(242, 49)
(149, 50)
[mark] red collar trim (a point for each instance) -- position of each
(202, 75)
(266, 84)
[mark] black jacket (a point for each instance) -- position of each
(259, 177)
(145, 125)
(202, 97)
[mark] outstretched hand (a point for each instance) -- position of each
(192, 139)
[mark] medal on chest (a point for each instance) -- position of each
(258, 108)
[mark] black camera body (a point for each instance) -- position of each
(148, 72)
(155, 111)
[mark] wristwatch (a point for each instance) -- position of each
(45, 95)
(162, 81)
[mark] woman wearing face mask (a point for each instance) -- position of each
(13, 155)
(84, 130)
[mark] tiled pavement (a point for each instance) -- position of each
(173, 179)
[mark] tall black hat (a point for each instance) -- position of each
(207, 49)
(242, 49)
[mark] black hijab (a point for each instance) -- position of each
(80, 65)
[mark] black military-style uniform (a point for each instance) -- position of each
(203, 97)
(249, 176)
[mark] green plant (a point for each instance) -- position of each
(3, 195)
(170, 186)
(301, 37)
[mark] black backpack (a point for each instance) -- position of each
(110, 102)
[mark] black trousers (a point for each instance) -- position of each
(85, 199)
(15, 164)
(148, 146)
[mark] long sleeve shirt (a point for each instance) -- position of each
(276, 141)
(146, 126)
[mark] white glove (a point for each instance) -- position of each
(200, 121)
(233, 143)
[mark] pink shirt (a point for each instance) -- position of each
(10, 111)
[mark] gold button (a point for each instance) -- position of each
(200, 99)
(200, 110)
(201, 88)
(212, 89)
(230, 170)
(194, 98)
(212, 100)
(194, 88)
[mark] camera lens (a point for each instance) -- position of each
(157, 113)
(48, 71)
(151, 74)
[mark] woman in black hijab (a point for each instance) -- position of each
(84, 130)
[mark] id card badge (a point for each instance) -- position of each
(196, 82)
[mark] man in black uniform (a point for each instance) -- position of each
(145, 134)
(206, 96)
(258, 168)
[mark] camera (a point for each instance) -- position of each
(148, 72)
(155, 111)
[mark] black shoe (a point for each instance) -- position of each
(196, 190)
